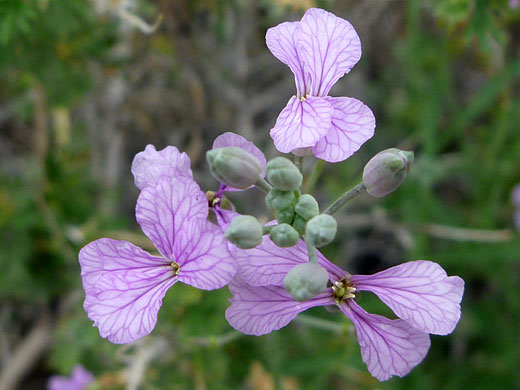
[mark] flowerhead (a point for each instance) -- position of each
(420, 293)
(124, 285)
(319, 50)
(79, 380)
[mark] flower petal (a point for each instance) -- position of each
(124, 288)
(201, 251)
(232, 139)
(353, 124)
(282, 41)
(388, 347)
(268, 264)
(328, 46)
(163, 209)
(301, 123)
(420, 293)
(79, 380)
(260, 310)
(151, 165)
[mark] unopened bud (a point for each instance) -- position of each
(299, 224)
(283, 174)
(284, 235)
(234, 166)
(305, 281)
(285, 215)
(279, 200)
(321, 230)
(386, 171)
(307, 207)
(245, 232)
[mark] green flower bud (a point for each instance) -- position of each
(284, 235)
(299, 224)
(279, 200)
(386, 171)
(285, 215)
(245, 232)
(307, 207)
(234, 166)
(305, 281)
(283, 174)
(321, 230)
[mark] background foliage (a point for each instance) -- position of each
(82, 90)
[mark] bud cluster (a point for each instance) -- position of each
(297, 215)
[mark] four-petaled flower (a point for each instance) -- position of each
(419, 292)
(124, 285)
(319, 50)
(79, 380)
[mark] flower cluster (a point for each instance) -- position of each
(273, 271)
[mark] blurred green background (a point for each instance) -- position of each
(84, 86)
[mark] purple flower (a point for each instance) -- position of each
(124, 285)
(420, 293)
(515, 198)
(514, 4)
(319, 50)
(79, 380)
(151, 165)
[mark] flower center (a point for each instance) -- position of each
(212, 198)
(175, 267)
(343, 290)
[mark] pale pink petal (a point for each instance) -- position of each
(151, 165)
(420, 293)
(201, 251)
(281, 40)
(353, 124)
(163, 209)
(259, 310)
(301, 123)
(328, 46)
(124, 288)
(388, 347)
(268, 264)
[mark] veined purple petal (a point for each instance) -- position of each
(151, 165)
(281, 40)
(328, 46)
(302, 123)
(388, 347)
(163, 209)
(201, 251)
(232, 139)
(353, 124)
(420, 292)
(268, 264)
(124, 288)
(260, 310)
(79, 380)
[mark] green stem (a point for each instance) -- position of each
(345, 198)
(298, 161)
(314, 176)
(311, 250)
(263, 185)
(320, 323)
(267, 229)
